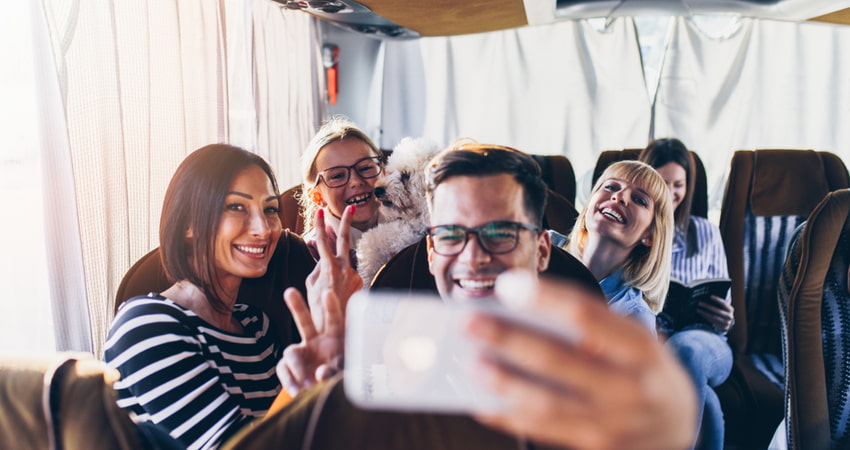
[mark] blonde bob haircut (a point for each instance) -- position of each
(335, 129)
(647, 268)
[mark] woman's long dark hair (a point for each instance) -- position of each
(194, 199)
(659, 153)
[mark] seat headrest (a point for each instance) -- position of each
(62, 400)
(787, 182)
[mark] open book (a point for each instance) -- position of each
(680, 308)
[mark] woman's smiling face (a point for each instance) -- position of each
(622, 212)
(249, 227)
(677, 181)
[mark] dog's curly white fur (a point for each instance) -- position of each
(404, 210)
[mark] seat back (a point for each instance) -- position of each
(322, 417)
(408, 270)
(699, 207)
(289, 266)
(768, 194)
(290, 210)
(815, 307)
(62, 400)
(560, 214)
(559, 175)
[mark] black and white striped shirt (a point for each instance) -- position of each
(200, 383)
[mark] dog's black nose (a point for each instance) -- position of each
(380, 192)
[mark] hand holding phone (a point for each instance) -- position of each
(409, 352)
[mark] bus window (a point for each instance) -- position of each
(26, 324)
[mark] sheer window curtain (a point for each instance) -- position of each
(763, 84)
(565, 88)
(289, 85)
(142, 84)
(569, 89)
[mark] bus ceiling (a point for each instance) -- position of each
(404, 19)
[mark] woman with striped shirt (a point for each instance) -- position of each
(191, 359)
(698, 253)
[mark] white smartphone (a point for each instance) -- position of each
(408, 352)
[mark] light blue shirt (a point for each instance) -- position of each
(626, 300)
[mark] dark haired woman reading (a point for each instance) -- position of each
(698, 253)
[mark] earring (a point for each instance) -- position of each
(645, 242)
(317, 199)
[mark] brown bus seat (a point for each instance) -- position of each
(290, 210)
(814, 298)
(558, 174)
(322, 417)
(768, 194)
(66, 400)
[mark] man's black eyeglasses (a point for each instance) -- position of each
(369, 167)
(494, 237)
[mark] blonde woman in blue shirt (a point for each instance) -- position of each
(624, 235)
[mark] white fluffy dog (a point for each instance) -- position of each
(403, 215)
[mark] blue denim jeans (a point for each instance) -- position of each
(708, 359)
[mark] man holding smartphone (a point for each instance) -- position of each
(614, 387)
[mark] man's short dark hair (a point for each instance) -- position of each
(470, 158)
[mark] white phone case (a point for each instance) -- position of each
(408, 352)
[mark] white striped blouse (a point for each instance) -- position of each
(199, 383)
(710, 259)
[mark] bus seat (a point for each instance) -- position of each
(289, 266)
(559, 175)
(699, 207)
(408, 270)
(559, 214)
(290, 210)
(556, 170)
(768, 194)
(322, 417)
(144, 276)
(608, 157)
(66, 400)
(814, 299)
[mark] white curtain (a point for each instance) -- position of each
(765, 84)
(142, 85)
(564, 88)
(569, 89)
(402, 92)
(61, 226)
(289, 81)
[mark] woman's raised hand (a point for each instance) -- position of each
(319, 355)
